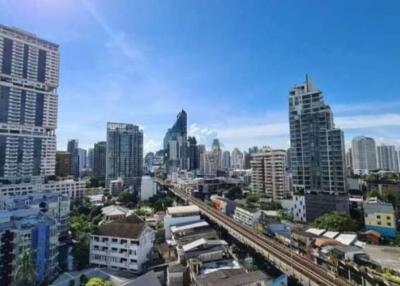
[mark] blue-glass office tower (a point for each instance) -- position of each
(124, 154)
(317, 152)
(176, 145)
(29, 74)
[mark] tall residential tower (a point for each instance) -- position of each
(363, 155)
(29, 71)
(317, 152)
(124, 155)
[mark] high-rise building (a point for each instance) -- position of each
(237, 159)
(388, 159)
(82, 154)
(175, 144)
(269, 174)
(63, 164)
(90, 158)
(124, 156)
(193, 154)
(363, 155)
(99, 160)
(29, 71)
(72, 148)
(317, 152)
(226, 160)
(212, 160)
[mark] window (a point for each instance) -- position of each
(379, 223)
(389, 224)
(378, 216)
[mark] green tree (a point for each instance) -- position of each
(96, 281)
(252, 198)
(25, 275)
(83, 279)
(336, 222)
(81, 251)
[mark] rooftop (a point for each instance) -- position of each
(114, 210)
(232, 277)
(128, 227)
(386, 256)
(183, 210)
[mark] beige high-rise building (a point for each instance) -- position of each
(269, 174)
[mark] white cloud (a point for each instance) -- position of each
(203, 135)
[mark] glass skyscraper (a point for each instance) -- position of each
(29, 75)
(175, 144)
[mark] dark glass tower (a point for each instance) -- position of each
(175, 144)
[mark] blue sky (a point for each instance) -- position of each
(229, 64)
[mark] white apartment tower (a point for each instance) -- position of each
(363, 154)
(29, 75)
(388, 159)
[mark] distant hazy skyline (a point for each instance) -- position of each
(229, 64)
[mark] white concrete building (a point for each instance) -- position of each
(363, 155)
(179, 215)
(237, 160)
(122, 245)
(246, 217)
(148, 188)
(388, 159)
(299, 208)
(74, 189)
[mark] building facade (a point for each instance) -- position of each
(72, 148)
(52, 204)
(124, 155)
(99, 160)
(175, 144)
(63, 164)
(29, 75)
(237, 159)
(380, 217)
(28, 229)
(269, 175)
(74, 189)
(317, 149)
(363, 155)
(388, 159)
(124, 244)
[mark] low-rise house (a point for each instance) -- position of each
(246, 217)
(178, 215)
(123, 244)
(114, 212)
(203, 250)
(380, 217)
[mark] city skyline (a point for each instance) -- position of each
(246, 69)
